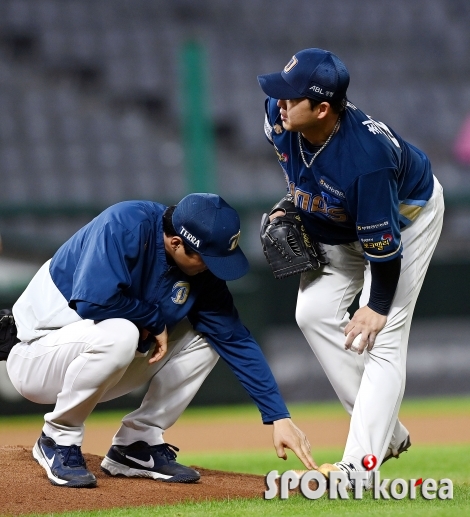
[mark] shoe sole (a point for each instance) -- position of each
(400, 451)
(113, 468)
(39, 457)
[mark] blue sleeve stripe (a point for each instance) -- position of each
(416, 202)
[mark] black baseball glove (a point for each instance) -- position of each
(286, 245)
(8, 337)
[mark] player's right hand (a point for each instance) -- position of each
(367, 323)
(287, 434)
(160, 348)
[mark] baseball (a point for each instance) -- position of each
(355, 343)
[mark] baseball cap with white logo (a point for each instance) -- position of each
(211, 227)
(313, 72)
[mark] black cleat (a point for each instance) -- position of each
(151, 461)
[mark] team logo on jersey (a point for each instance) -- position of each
(324, 203)
(180, 292)
(277, 129)
(234, 241)
(290, 65)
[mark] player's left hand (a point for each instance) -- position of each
(160, 348)
(287, 434)
(366, 322)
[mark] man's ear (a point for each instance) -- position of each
(175, 242)
(324, 109)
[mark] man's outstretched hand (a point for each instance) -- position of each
(287, 434)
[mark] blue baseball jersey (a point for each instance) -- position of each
(116, 267)
(367, 184)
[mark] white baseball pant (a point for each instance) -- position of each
(85, 363)
(370, 386)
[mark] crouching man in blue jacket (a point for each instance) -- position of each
(138, 296)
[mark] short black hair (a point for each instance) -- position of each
(170, 231)
(336, 105)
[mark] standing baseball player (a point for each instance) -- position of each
(372, 200)
(138, 296)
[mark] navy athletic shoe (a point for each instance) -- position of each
(65, 465)
(151, 461)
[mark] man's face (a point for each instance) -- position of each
(190, 264)
(297, 114)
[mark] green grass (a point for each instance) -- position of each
(298, 506)
(458, 405)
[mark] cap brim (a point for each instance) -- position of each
(274, 86)
(231, 267)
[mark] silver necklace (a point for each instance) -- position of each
(308, 165)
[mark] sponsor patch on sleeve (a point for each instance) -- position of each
(375, 243)
(376, 226)
(377, 239)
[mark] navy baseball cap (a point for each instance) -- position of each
(313, 72)
(211, 227)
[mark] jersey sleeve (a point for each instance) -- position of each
(377, 215)
(215, 315)
(270, 115)
(103, 275)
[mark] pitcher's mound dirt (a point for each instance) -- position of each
(24, 487)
